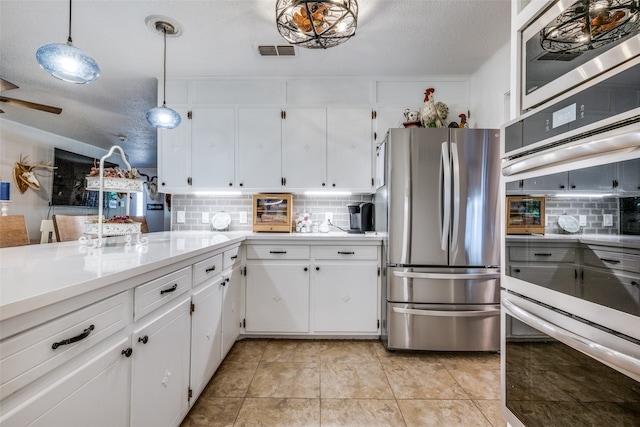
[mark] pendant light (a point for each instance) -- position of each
(66, 62)
(164, 117)
(317, 24)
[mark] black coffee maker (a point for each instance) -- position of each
(360, 217)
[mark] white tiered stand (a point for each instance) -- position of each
(119, 185)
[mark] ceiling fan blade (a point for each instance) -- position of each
(6, 85)
(32, 105)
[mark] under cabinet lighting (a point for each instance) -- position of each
(217, 193)
(576, 195)
(327, 193)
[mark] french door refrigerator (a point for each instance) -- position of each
(439, 204)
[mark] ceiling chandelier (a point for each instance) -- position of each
(317, 24)
(164, 117)
(590, 24)
(66, 62)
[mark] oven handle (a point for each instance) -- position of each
(610, 356)
(464, 276)
(437, 313)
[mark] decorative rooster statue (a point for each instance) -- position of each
(463, 121)
(433, 113)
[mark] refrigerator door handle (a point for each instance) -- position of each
(624, 362)
(463, 276)
(445, 196)
(457, 313)
(456, 195)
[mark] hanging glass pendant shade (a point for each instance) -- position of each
(164, 117)
(66, 62)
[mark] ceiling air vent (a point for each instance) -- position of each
(268, 50)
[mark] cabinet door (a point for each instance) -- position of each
(206, 333)
(349, 149)
(616, 290)
(277, 297)
(629, 175)
(548, 183)
(213, 147)
(304, 154)
(558, 277)
(259, 144)
(95, 394)
(231, 309)
(160, 376)
(385, 120)
(174, 155)
(346, 297)
(595, 178)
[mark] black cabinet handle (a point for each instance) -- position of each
(277, 252)
(128, 352)
(306, 269)
(210, 269)
(223, 283)
(610, 261)
(634, 283)
(323, 184)
(346, 253)
(333, 185)
(171, 289)
(317, 268)
(144, 339)
(234, 257)
(517, 270)
(230, 184)
(80, 337)
(542, 254)
(573, 187)
(562, 187)
(241, 184)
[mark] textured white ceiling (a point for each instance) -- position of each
(220, 38)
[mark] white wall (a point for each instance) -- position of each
(489, 85)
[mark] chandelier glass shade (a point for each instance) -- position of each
(317, 24)
(590, 24)
(67, 62)
(164, 117)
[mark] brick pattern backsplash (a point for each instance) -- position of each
(592, 207)
(195, 205)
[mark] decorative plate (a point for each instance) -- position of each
(568, 223)
(221, 221)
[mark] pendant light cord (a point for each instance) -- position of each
(164, 68)
(69, 41)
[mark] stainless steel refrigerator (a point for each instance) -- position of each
(438, 200)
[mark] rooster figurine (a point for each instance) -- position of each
(463, 121)
(433, 113)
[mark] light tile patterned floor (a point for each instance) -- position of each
(351, 383)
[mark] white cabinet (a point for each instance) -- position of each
(304, 155)
(174, 155)
(277, 296)
(206, 333)
(349, 148)
(259, 148)
(231, 308)
(160, 371)
(629, 175)
(213, 147)
(94, 394)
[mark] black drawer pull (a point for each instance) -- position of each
(634, 283)
(144, 339)
(223, 283)
(306, 269)
(171, 289)
(128, 352)
(277, 252)
(517, 270)
(80, 337)
(210, 269)
(346, 253)
(610, 261)
(542, 254)
(234, 257)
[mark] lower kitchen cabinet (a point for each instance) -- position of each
(206, 333)
(346, 297)
(277, 297)
(94, 394)
(561, 278)
(160, 371)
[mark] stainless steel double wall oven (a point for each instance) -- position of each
(571, 296)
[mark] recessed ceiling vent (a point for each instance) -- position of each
(269, 50)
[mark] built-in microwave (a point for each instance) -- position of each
(574, 41)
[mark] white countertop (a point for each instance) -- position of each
(625, 241)
(34, 276)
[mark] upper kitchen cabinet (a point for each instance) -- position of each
(595, 179)
(629, 176)
(304, 156)
(174, 155)
(260, 148)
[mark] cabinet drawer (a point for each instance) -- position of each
(277, 252)
(542, 254)
(345, 252)
(231, 257)
(152, 295)
(613, 260)
(33, 353)
(205, 269)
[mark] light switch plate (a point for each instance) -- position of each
(180, 218)
(205, 217)
(583, 220)
(607, 220)
(243, 217)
